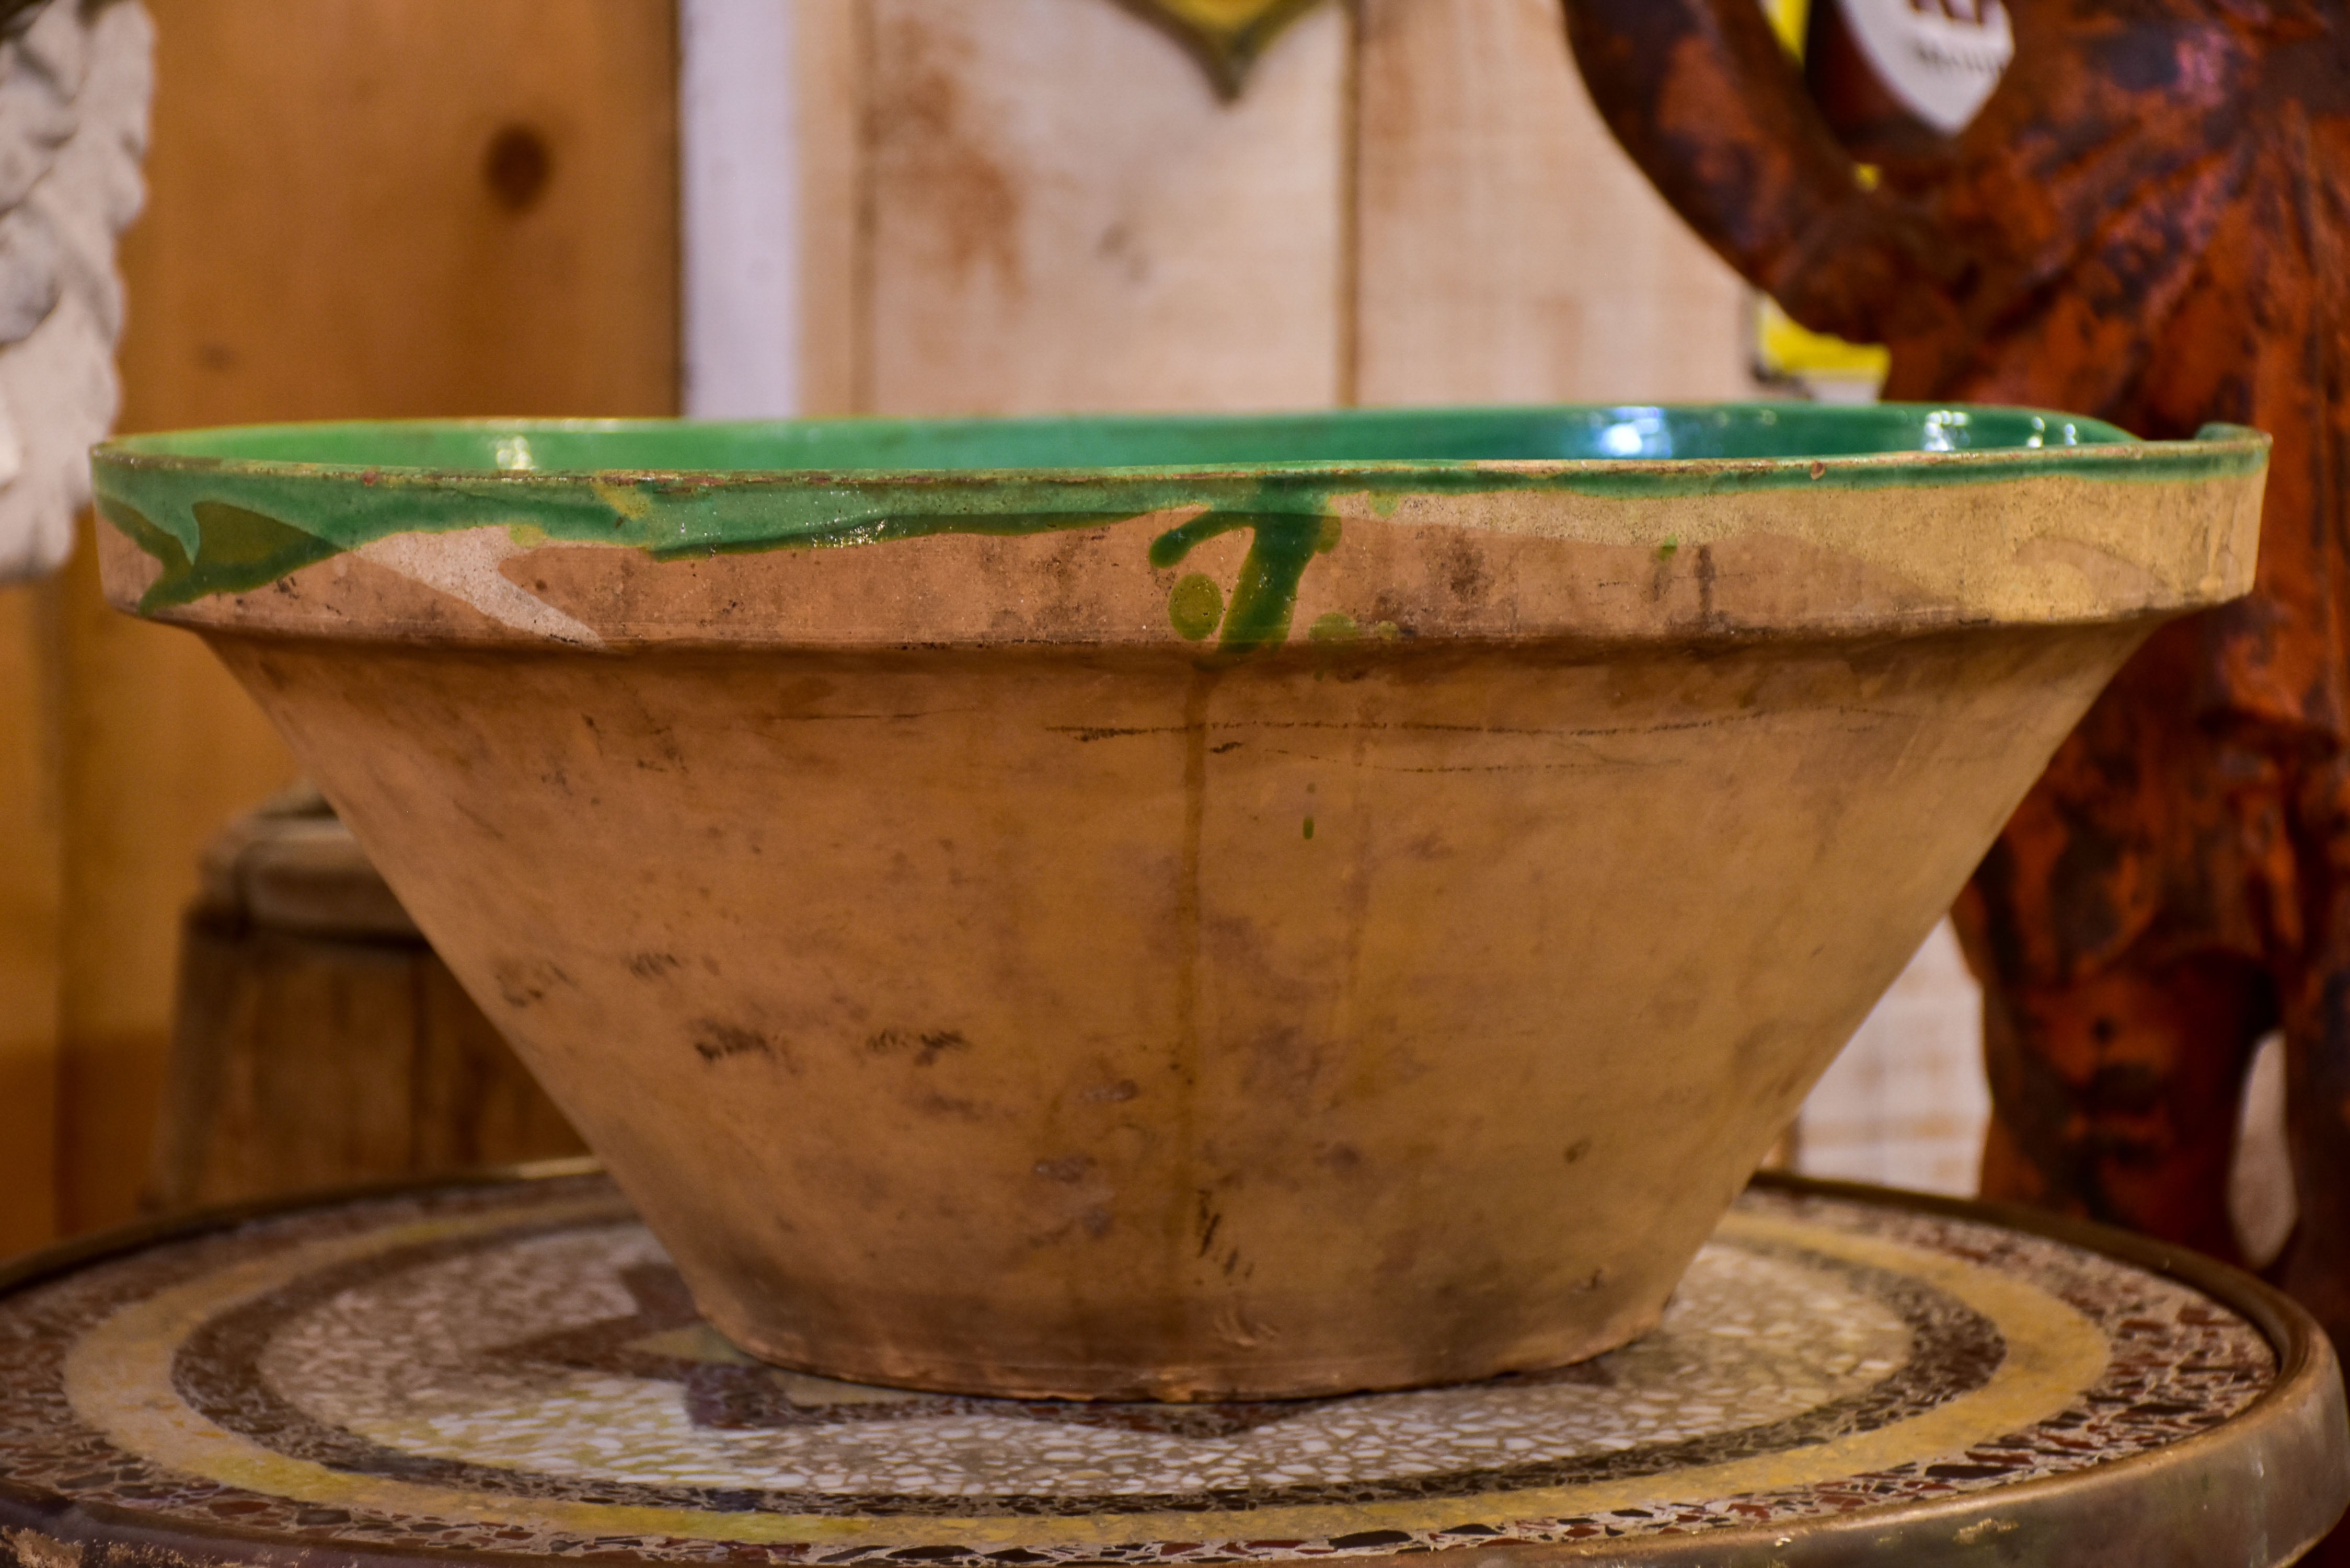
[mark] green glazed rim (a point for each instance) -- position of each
(230, 510)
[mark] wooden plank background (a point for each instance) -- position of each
(1059, 213)
(31, 869)
(1509, 251)
(1031, 205)
(357, 208)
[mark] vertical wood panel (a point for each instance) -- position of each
(336, 227)
(159, 750)
(357, 208)
(740, 199)
(1509, 249)
(829, 64)
(1063, 214)
(31, 866)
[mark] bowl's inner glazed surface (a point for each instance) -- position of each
(1732, 431)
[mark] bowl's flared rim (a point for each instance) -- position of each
(2053, 442)
(219, 512)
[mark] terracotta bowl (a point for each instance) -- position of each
(1180, 907)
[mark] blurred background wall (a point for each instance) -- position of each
(356, 208)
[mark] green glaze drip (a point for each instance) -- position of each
(1338, 626)
(1309, 828)
(1280, 548)
(237, 551)
(1196, 605)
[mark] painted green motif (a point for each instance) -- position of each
(1196, 607)
(230, 511)
(1279, 548)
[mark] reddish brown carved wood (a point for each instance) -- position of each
(2149, 223)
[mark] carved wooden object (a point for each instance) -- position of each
(2148, 223)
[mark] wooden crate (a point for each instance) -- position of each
(318, 1040)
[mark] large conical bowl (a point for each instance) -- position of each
(1180, 908)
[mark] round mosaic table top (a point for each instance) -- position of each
(512, 1369)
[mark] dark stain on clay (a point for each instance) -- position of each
(521, 985)
(652, 966)
(923, 1046)
(1660, 576)
(931, 1103)
(1463, 566)
(1068, 1169)
(715, 1041)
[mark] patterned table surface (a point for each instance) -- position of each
(513, 1370)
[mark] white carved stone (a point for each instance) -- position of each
(75, 80)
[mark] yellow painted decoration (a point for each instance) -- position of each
(1227, 35)
(1782, 350)
(1788, 19)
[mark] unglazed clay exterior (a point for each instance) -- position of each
(1086, 945)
